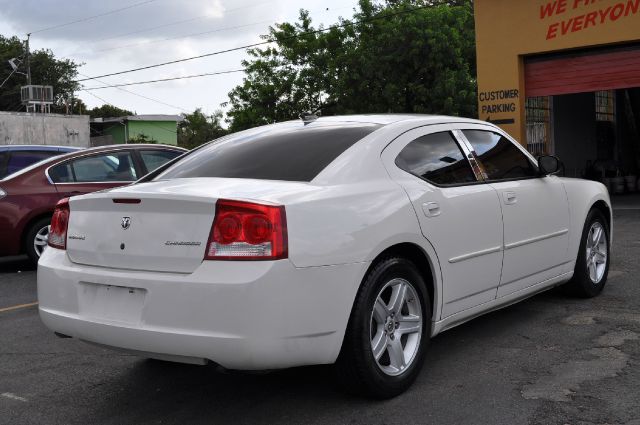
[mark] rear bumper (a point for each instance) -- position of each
(241, 315)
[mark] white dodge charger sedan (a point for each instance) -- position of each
(349, 240)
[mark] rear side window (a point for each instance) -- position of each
(154, 159)
(108, 167)
(19, 160)
(286, 152)
(436, 158)
(499, 157)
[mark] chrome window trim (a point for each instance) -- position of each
(104, 182)
(471, 155)
(130, 149)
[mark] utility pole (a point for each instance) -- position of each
(28, 60)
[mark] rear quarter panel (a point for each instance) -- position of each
(354, 223)
(348, 223)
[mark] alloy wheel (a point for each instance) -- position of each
(41, 241)
(396, 326)
(597, 252)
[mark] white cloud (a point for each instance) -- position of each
(129, 39)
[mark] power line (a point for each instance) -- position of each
(248, 46)
(183, 21)
(197, 34)
(162, 79)
(111, 104)
(89, 18)
(183, 36)
(143, 96)
(178, 61)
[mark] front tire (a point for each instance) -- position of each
(592, 266)
(388, 331)
(36, 239)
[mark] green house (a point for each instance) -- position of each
(135, 128)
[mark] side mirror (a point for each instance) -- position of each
(548, 165)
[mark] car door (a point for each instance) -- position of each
(92, 172)
(459, 215)
(535, 211)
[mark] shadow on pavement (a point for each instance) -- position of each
(16, 264)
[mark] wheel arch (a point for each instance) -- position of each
(427, 268)
(584, 196)
(602, 206)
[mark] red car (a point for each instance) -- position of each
(28, 197)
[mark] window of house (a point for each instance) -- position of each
(538, 124)
(605, 106)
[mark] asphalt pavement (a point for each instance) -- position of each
(548, 360)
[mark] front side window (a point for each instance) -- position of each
(499, 157)
(436, 158)
(108, 167)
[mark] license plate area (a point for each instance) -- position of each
(111, 303)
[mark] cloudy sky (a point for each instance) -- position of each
(148, 32)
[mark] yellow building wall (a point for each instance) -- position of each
(508, 30)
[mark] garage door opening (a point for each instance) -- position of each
(584, 107)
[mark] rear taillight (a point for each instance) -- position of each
(247, 231)
(59, 225)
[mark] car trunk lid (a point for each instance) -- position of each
(159, 226)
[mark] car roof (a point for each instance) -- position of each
(46, 148)
(132, 146)
(386, 119)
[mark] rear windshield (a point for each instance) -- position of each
(283, 152)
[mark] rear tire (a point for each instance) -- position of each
(36, 238)
(388, 331)
(592, 265)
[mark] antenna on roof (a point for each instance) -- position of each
(308, 117)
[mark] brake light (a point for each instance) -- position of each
(247, 231)
(59, 225)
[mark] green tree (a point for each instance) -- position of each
(141, 138)
(46, 70)
(108, 111)
(198, 128)
(403, 56)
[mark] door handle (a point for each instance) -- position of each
(510, 198)
(431, 209)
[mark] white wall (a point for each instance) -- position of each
(20, 128)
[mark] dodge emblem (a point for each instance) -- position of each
(126, 222)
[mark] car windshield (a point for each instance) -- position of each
(289, 151)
